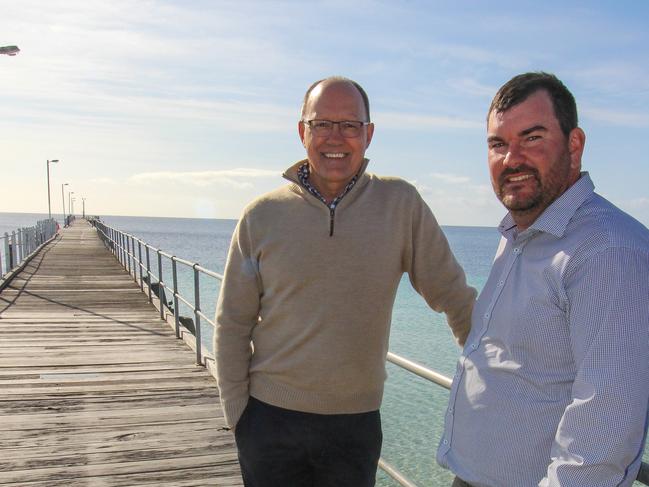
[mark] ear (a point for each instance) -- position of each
(300, 131)
(370, 134)
(576, 144)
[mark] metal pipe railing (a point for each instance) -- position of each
(23, 243)
(112, 239)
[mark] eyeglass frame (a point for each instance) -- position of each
(363, 124)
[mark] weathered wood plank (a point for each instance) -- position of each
(106, 467)
(94, 388)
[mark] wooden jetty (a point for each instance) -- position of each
(95, 390)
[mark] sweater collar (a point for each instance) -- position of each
(291, 172)
(292, 176)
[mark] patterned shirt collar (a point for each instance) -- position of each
(303, 173)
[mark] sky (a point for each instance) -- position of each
(190, 108)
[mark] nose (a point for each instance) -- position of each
(335, 133)
(514, 155)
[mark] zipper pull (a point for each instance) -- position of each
(331, 221)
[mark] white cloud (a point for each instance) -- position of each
(616, 117)
(641, 203)
(470, 54)
(472, 87)
(469, 204)
(614, 77)
(238, 178)
(102, 181)
(414, 122)
(450, 178)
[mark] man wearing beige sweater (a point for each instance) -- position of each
(303, 317)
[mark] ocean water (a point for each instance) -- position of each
(413, 409)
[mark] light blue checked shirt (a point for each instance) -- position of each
(552, 387)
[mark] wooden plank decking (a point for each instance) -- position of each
(94, 388)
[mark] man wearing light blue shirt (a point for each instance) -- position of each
(552, 387)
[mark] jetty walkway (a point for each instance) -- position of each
(95, 389)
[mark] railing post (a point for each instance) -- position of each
(122, 247)
(128, 252)
(23, 244)
(120, 256)
(160, 286)
(174, 273)
(127, 257)
(14, 250)
(19, 247)
(139, 254)
(197, 317)
(148, 270)
(7, 253)
(134, 259)
(118, 249)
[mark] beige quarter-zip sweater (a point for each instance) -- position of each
(303, 316)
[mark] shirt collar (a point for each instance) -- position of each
(291, 172)
(303, 174)
(556, 217)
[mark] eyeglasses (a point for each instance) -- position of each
(348, 128)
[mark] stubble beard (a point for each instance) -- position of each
(545, 192)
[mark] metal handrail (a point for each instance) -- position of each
(121, 243)
(22, 244)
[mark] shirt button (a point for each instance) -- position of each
(517, 250)
(445, 441)
(486, 315)
(501, 283)
(474, 346)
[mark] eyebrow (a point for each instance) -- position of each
(493, 138)
(522, 133)
(532, 129)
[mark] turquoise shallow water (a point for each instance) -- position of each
(413, 409)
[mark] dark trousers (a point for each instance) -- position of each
(282, 448)
(458, 482)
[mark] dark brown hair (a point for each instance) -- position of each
(520, 87)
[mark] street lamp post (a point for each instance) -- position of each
(70, 193)
(49, 204)
(63, 199)
(72, 207)
(83, 205)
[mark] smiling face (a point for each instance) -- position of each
(531, 161)
(334, 159)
